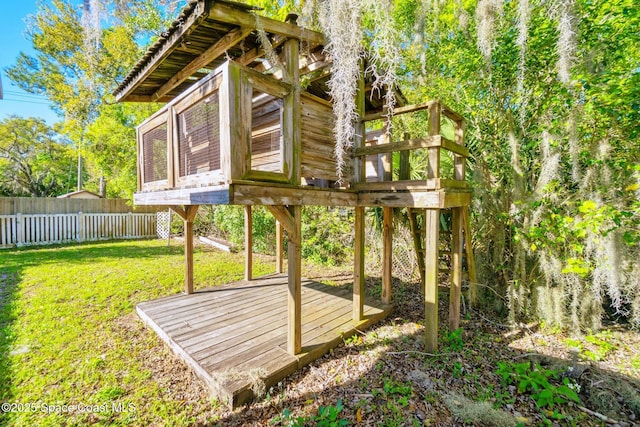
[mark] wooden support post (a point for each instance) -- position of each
(292, 110)
(360, 162)
(404, 169)
(248, 243)
(279, 247)
(386, 158)
(460, 162)
(294, 301)
(456, 268)
(358, 268)
(387, 243)
(189, 215)
(433, 170)
(471, 262)
(432, 228)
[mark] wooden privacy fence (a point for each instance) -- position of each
(43, 229)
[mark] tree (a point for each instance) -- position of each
(33, 161)
(78, 63)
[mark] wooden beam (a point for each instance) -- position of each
(433, 141)
(412, 185)
(358, 266)
(405, 168)
(387, 261)
(456, 268)
(294, 300)
(460, 162)
(223, 13)
(279, 247)
(399, 110)
(286, 219)
(190, 214)
(359, 163)
(248, 243)
(432, 228)
(168, 46)
(229, 40)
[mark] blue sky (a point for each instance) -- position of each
(12, 41)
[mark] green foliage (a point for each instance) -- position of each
(453, 340)
(34, 161)
(327, 416)
(327, 235)
(537, 382)
(553, 162)
(71, 309)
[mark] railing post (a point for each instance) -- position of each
(19, 229)
(81, 228)
(433, 170)
(129, 220)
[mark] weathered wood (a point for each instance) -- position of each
(210, 195)
(431, 141)
(460, 162)
(400, 110)
(224, 13)
(229, 40)
(168, 47)
(248, 243)
(387, 260)
(404, 167)
(274, 194)
(279, 247)
(286, 219)
(432, 229)
(412, 185)
(358, 266)
(433, 169)
(385, 158)
(190, 213)
(359, 168)
(294, 300)
(456, 267)
(291, 114)
(416, 223)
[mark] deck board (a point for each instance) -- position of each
(227, 331)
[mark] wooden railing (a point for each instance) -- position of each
(435, 142)
(45, 229)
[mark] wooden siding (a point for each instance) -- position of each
(318, 142)
(224, 332)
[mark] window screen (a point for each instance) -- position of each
(199, 137)
(154, 146)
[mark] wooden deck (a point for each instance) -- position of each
(230, 334)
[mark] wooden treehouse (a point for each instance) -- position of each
(248, 127)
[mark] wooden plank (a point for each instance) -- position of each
(292, 114)
(358, 266)
(290, 195)
(432, 228)
(207, 195)
(433, 169)
(248, 243)
(229, 40)
(456, 268)
(400, 110)
(412, 185)
(286, 220)
(359, 167)
(224, 13)
(387, 258)
(294, 300)
(279, 247)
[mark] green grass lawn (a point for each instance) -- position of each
(68, 335)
